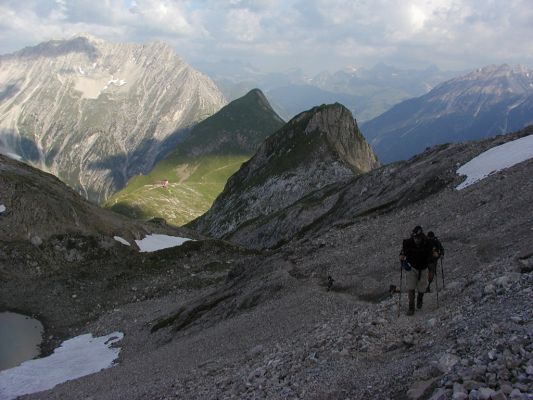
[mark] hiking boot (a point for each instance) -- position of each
(411, 309)
(419, 300)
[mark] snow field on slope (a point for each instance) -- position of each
(76, 357)
(122, 240)
(156, 242)
(496, 159)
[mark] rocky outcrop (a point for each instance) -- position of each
(96, 113)
(486, 102)
(316, 148)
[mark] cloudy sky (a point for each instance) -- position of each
(276, 35)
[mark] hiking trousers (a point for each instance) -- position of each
(417, 280)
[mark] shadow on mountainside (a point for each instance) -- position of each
(8, 91)
(54, 48)
(21, 146)
(136, 160)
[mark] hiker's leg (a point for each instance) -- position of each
(411, 296)
(421, 287)
(411, 278)
(419, 300)
(422, 283)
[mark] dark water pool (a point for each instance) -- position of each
(20, 337)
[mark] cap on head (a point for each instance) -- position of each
(417, 231)
(431, 234)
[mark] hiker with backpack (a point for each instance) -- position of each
(415, 256)
(439, 251)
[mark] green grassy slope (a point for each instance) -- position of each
(200, 166)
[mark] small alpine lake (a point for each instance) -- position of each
(20, 338)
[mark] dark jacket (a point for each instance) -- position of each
(418, 256)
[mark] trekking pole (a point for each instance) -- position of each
(437, 286)
(442, 269)
(400, 293)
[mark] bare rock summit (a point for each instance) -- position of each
(314, 149)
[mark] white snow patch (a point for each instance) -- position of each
(76, 357)
(2, 208)
(116, 82)
(121, 240)
(156, 242)
(10, 154)
(14, 156)
(496, 159)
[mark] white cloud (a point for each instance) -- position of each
(287, 33)
(243, 24)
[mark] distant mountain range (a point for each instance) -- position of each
(367, 92)
(96, 113)
(183, 185)
(486, 102)
(314, 149)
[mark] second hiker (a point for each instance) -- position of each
(438, 252)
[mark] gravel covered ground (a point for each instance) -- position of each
(262, 325)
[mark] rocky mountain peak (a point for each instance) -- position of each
(88, 36)
(497, 79)
(57, 48)
(258, 97)
(316, 148)
(336, 124)
(96, 113)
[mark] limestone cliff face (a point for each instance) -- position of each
(316, 148)
(96, 113)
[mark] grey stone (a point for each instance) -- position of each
(439, 394)
(36, 241)
(472, 385)
(420, 389)
(256, 350)
(428, 372)
(447, 362)
(499, 395)
(522, 387)
(460, 396)
(458, 388)
(506, 388)
(432, 322)
(344, 352)
(489, 289)
(486, 393)
(408, 340)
